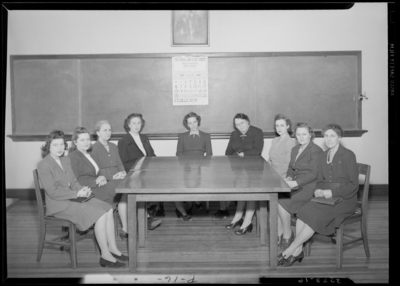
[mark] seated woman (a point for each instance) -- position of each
(337, 177)
(134, 146)
(302, 173)
(279, 153)
(86, 169)
(106, 155)
(192, 143)
(246, 140)
(60, 186)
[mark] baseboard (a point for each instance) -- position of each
(376, 193)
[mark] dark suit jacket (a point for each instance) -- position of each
(251, 145)
(83, 169)
(130, 152)
(305, 169)
(59, 185)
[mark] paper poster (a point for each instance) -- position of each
(190, 80)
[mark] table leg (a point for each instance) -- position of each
(273, 230)
(263, 222)
(141, 219)
(132, 232)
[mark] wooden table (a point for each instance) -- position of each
(217, 178)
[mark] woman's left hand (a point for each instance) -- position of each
(327, 193)
(292, 184)
(240, 154)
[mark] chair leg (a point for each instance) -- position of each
(42, 237)
(96, 243)
(207, 206)
(258, 218)
(72, 245)
(363, 224)
(339, 247)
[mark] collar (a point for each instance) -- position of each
(194, 133)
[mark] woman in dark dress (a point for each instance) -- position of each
(302, 173)
(246, 140)
(337, 177)
(134, 146)
(192, 143)
(61, 185)
(106, 155)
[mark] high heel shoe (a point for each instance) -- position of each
(286, 242)
(248, 228)
(121, 257)
(235, 224)
(292, 259)
(280, 260)
(123, 235)
(116, 264)
(280, 239)
(184, 217)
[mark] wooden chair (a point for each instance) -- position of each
(360, 215)
(50, 220)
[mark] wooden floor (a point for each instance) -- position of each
(202, 250)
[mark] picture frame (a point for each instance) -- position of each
(190, 28)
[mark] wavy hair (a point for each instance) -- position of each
(336, 128)
(78, 130)
(187, 116)
(240, 116)
(128, 121)
(287, 120)
(305, 125)
(55, 134)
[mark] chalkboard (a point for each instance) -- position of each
(62, 92)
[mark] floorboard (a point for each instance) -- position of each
(201, 251)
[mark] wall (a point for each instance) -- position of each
(363, 27)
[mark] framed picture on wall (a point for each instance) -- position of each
(190, 28)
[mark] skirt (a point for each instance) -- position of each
(107, 193)
(84, 215)
(292, 203)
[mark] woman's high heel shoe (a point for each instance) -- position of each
(184, 217)
(292, 259)
(286, 242)
(123, 235)
(121, 257)
(280, 260)
(235, 224)
(248, 228)
(280, 239)
(116, 264)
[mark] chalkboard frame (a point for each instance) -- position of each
(174, 136)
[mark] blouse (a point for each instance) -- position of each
(194, 144)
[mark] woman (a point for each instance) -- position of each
(60, 186)
(246, 140)
(279, 153)
(192, 143)
(106, 155)
(337, 177)
(302, 173)
(134, 146)
(86, 169)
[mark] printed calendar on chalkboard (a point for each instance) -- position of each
(190, 80)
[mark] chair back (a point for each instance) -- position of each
(362, 200)
(39, 197)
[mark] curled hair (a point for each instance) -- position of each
(55, 134)
(240, 116)
(78, 130)
(287, 120)
(128, 121)
(187, 116)
(336, 128)
(99, 124)
(305, 125)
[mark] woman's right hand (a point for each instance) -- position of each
(318, 193)
(101, 181)
(84, 192)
